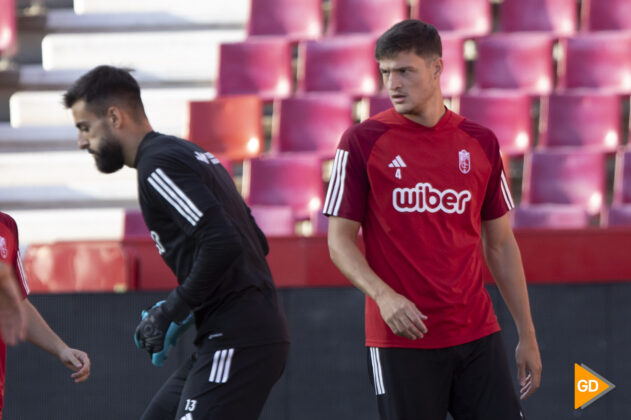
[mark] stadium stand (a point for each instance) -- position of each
(343, 63)
(7, 27)
(474, 17)
(292, 179)
(229, 126)
(551, 216)
(274, 220)
(365, 16)
(261, 66)
(596, 60)
(581, 118)
(611, 15)
(311, 122)
(515, 61)
(622, 177)
(565, 176)
(296, 20)
(453, 80)
(507, 113)
(618, 215)
(555, 16)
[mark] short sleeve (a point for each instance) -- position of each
(348, 189)
(178, 189)
(498, 199)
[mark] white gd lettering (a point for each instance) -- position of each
(424, 198)
(156, 239)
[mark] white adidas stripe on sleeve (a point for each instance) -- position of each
(506, 192)
(175, 196)
(336, 183)
(22, 274)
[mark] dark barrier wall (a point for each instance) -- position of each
(326, 377)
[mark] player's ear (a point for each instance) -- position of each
(437, 67)
(114, 116)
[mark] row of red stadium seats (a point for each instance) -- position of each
(345, 63)
(469, 17)
(232, 126)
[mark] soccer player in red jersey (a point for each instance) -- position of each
(428, 188)
(36, 330)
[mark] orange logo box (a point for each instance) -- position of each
(588, 386)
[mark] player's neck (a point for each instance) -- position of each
(429, 114)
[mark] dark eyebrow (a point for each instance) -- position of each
(81, 125)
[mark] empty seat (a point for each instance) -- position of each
(375, 16)
(453, 80)
(622, 177)
(610, 15)
(551, 216)
(274, 220)
(343, 63)
(68, 267)
(515, 61)
(467, 17)
(291, 179)
(8, 29)
(507, 113)
(229, 126)
(555, 16)
(564, 176)
(260, 66)
(618, 215)
(290, 18)
(580, 118)
(311, 122)
(596, 60)
(375, 104)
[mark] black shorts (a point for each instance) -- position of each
(220, 383)
(471, 381)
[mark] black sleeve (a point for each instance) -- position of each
(218, 246)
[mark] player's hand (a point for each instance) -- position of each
(77, 361)
(12, 313)
(152, 330)
(528, 366)
(401, 315)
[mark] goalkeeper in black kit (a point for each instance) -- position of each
(205, 233)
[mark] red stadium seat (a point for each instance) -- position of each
(376, 104)
(580, 118)
(134, 225)
(515, 61)
(467, 17)
(596, 60)
(610, 15)
(565, 176)
(68, 267)
(311, 122)
(343, 63)
(507, 113)
(556, 16)
(291, 179)
(372, 16)
(260, 66)
(551, 216)
(622, 177)
(618, 215)
(274, 220)
(453, 81)
(293, 19)
(319, 223)
(230, 126)
(8, 30)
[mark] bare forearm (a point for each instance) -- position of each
(348, 258)
(39, 333)
(507, 269)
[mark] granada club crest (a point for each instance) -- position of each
(464, 161)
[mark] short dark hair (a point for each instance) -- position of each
(102, 86)
(409, 35)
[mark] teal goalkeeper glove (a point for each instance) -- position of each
(173, 333)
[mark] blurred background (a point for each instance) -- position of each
(268, 86)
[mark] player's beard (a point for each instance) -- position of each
(109, 157)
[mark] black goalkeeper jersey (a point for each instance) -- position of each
(184, 191)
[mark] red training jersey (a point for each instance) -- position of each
(420, 194)
(10, 255)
